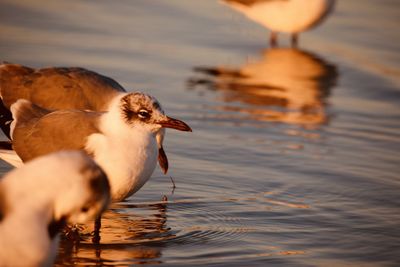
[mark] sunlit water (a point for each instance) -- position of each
(294, 158)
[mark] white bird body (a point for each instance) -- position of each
(38, 198)
(288, 16)
(127, 154)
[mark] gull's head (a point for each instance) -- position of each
(139, 109)
(55, 189)
(85, 190)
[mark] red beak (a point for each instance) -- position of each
(176, 124)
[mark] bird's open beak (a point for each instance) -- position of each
(176, 124)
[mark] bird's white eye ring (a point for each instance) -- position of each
(144, 114)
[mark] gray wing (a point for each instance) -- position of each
(45, 132)
(57, 88)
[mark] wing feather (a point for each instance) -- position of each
(50, 132)
(57, 88)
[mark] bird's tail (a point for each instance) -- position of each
(24, 111)
(10, 157)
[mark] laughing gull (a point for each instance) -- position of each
(60, 88)
(40, 198)
(288, 16)
(122, 140)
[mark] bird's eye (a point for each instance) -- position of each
(85, 209)
(143, 114)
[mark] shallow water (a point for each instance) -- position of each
(294, 158)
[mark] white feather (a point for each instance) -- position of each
(291, 16)
(127, 153)
(45, 189)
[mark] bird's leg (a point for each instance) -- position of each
(294, 39)
(96, 232)
(173, 184)
(273, 39)
(72, 233)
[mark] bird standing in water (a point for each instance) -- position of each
(122, 131)
(287, 16)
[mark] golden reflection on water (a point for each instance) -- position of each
(284, 85)
(137, 233)
(126, 237)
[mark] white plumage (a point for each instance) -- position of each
(288, 16)
(37, 200)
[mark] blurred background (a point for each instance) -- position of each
(295, 154)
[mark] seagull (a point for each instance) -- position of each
(122, 140)
(288, 16)
(57, 88)
(40, 198)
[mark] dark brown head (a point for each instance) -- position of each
(145, 110)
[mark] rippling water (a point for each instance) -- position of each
(294, 158)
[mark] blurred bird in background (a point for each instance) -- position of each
(286, 16)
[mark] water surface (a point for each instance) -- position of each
(294, 158)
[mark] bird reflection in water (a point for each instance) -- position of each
(130, 234)
(285, 85)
